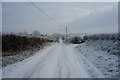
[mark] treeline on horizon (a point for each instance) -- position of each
(15, 43)
(102, 37)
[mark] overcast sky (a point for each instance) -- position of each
(79, 17)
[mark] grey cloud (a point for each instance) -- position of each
(101, 21)
(79, 17)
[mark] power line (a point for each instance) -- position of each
(45, 14)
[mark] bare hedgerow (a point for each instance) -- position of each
(14, 43)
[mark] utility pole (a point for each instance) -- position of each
(66, 32)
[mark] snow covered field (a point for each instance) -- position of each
(65, 61)
(102, 54)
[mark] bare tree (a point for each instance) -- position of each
(20, 33)
(25, 33)
(36, 33)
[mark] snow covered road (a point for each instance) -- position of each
(57, 61)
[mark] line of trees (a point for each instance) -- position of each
(25, 33)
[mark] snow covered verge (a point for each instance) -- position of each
(7, 60)
(102, 54)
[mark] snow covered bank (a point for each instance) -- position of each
(20, 56)
(102, 54)
(110, 46)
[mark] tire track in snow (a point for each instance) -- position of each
(63, 64)
(41, 64)
(32, 68)
(76, 69)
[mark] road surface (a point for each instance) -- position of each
(56, 61)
